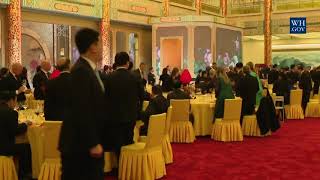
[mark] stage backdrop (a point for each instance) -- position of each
(287, 58)
(202, 48)
(229, 47)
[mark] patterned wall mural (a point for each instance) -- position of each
(4, 1)
(90, 8)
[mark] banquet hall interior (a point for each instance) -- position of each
(159, 89)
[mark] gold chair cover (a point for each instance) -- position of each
(181, 129)
(7, 169)
(294, 110)
(250, 127)
(313, 107)
(144, 161)
(50, 169)
(229, 128)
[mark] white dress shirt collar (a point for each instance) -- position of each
(92, 64)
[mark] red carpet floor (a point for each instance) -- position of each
(291, 153)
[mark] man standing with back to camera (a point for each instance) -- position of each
(81, 132)
(122, 95)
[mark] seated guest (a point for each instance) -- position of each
(157, 105)
(165, 81)
(281, 87)
(177, 93)
(57, 96)
(151, 77)
(212, 81)
(9, 128)
(223, 91)
(266, 114)
(248, 88)
(40, 80)
(146, 95)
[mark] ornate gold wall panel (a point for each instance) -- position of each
(90, 8)
(105, 30)
(14, 31)
(267, 32)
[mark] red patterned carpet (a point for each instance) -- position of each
(291, 153)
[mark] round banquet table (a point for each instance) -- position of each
(35, 137)
(202, 109)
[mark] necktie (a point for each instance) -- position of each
(99, 80)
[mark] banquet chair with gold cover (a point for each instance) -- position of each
(166, 145)
(228, 128)
(144, 161)
(181, 129)
(50, 169)
(250, 126)
(7, 168)
(313, 107)
(294, 109)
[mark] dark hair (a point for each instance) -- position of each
(38, 69)
(157, 90)
(174, 72)
(164, 71)
(246, 70)
(6, 96)
(85, 38)
(3, 72)
(64, 66)
(239, 65)
(292, 66)
(151, 68)
(121, 59)
(114, 66)
(130, 65)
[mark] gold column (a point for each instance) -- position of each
(198, 7)
(105, 33)
(267, 32)
(224, 7)
(14, 32)
(166, 7)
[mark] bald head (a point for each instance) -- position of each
(16, 69)
(46, 65)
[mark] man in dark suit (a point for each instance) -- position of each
(57, 94)
(158, 105)
(122, 96)
(305, 83)
(40, 80)
(177, 93)
(13, 82)
(248, 88)
(9, 129)
(81, 131)
(273, 74)
(140, 72)
(151, 77)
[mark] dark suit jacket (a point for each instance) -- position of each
(10, 83)
(9, 128)
(178, 94)
(40, 81)
(82, 128)
(151, 79)
(57, 97)
(123, 96)
(282, 88)
(158, 105)
(305, 82)
(248, 88)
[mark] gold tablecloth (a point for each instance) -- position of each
(202, 109)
